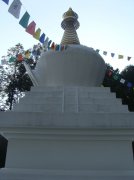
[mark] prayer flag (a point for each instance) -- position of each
(38, 52)
(128, 58)
(46, 43)
(27, 54)
(62, 47)
(109, 73)
(6, 1)
(42, 38)
(120, 56)
(53, 46)
(104, 52)
(97, 50)
(65, 47)
(34, 52)
(31, 28)
(37, 34)
(4, 62)
(24, 20)
(57, 47)
(129, 84)
(115, 77)
(12, 59)
(49, 43)
(19, 57)
(15, 8)
(112, 54)
(122, 81)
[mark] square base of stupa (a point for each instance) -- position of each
(76, 133)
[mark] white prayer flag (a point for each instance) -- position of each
(15, 8)
(4, 62)
(46, 43)
(122, 81)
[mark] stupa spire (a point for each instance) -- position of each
(70, 24)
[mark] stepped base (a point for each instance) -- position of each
(70, 100)
(68, 133)
(15, 174)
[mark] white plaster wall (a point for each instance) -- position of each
(69, 154)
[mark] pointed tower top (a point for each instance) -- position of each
(70, 24)
(70, 13)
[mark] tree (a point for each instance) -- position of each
(14, 78)
(128, 73)
(5, 72)
(121, 84)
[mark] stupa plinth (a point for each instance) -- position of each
(64, 128)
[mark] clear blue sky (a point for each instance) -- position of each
(107, 25)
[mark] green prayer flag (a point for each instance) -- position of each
(116, 77)
(24, 20)
(12, 59)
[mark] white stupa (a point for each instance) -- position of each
(68, 127)
(77, 65)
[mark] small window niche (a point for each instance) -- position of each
(3, 151)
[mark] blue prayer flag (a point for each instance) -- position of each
(42, 38)
(128, 58)
(112, 54)
(6, 1)
(57, 47)
(129, 84)
(49, 43)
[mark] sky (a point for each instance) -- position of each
(107, 25)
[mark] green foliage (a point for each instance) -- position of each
(128, 73)
(112, 80)
(14, 80)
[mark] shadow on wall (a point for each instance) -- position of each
(3, 151)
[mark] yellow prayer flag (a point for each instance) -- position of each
(120, 56)
(27, 54)
(37, 34)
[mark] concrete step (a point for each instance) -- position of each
(90, 89)
(60, 174)
(59, 107)
(118, 121)
(69, 99)
(71, 93)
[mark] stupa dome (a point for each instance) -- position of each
(77, 65)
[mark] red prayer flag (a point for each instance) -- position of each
(53, 46)
(109, 73)
(31, 28)
(19, 57)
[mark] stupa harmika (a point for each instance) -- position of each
(67, 126)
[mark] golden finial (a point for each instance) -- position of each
(70, 13)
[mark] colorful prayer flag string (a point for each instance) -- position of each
(120, 56)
